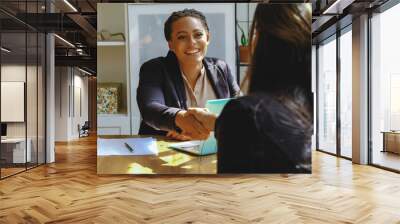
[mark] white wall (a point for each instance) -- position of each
(33, 125)
(13, 101)
(69, 82)
(62, 82)
(80, 110)
(12, 73)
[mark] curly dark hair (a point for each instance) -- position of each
(180, 14)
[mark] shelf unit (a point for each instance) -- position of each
(113, 66)
(110, 43)
(243, 17)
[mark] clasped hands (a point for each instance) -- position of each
(195, 123)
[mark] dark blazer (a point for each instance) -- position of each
(161, 91)
(260, 134)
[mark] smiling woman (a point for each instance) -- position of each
(189, 41)
(185, 78)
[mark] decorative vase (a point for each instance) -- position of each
(244, 54)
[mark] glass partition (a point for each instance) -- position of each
(346, 93)
(31, 97)
(22, 77)
(13, 115)
(385, 89)
(327, 95)
(41, 106)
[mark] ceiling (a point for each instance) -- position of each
(77, 26)
(76, 22)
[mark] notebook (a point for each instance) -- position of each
(126, 146)
(208, 146)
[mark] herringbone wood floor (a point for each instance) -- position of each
(69, 191)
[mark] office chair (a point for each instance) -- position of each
(84, 130)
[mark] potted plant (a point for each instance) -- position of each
(244, 47)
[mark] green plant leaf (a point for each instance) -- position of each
(243, 39)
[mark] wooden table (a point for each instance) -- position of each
(168, 161)
(14, 152)
(391, 141)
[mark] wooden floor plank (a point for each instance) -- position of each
(70, 191)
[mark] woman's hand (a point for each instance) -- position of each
(177, 136)
(204, 116)
(190, 126)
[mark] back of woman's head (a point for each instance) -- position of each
(281, 43)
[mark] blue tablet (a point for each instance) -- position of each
(208, 146)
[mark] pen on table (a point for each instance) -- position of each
(129, 147)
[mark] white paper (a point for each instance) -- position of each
(186, 144)
(116, 146)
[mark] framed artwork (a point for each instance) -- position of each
(12, 98)
(108, 98)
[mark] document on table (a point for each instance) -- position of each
(186, 144)
(126, 146)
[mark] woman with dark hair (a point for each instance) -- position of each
(184, 78)
(269, 130)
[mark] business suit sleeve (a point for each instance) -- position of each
(234, 89)
(150, 97)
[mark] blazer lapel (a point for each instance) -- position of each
(216, 82)
(175, 73)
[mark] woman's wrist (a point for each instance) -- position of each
(178, 120)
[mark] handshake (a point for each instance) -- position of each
(195, 123)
